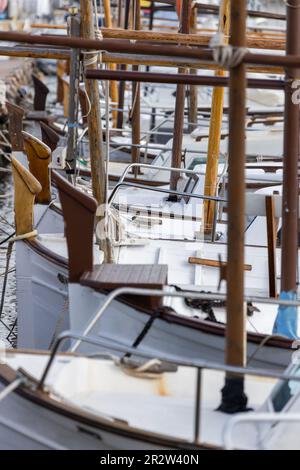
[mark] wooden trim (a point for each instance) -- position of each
(214, 263)
(41, 92)
(15, 126)
(79, 211)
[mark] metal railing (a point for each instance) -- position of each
(192, 173)
(181, 294)
(123, 183)
(255, 418)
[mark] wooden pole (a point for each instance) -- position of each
(94, 122)
(193, 90)
(61, 67)
(197, 38)
(73, 96)
(233, 397)
(123, 67)
(180, 103)
(136, 96)
(215, 129)
(169, 50)
(289, 255)
(183, 79)
(114, 93)
(129, 59)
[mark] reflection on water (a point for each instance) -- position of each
(8, 316)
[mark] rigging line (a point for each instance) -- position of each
(8, 257)
(107, 97)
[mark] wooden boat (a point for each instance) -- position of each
(117, 406)
(43, 293)
(101, 403)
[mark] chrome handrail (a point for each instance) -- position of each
(156, 167)
(201, 364)
(161, 190)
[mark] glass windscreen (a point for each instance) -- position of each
(285, 391)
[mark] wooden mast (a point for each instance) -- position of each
(114, 93)
(193, 90)
(180, 102)
(95, 124)
(123, 67)
(287, 318)
(136, 95)
(291, 153)
(73, 100)
(233, 397)
(215, 129)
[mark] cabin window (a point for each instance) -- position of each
(201, 161)
(285, 391)
(195, 162)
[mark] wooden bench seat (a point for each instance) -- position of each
(107, 277)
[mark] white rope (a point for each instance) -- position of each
(95, 56)
(25, 236)
(89, 104)
(225, 55)
(145, 371)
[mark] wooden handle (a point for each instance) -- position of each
(214, 263)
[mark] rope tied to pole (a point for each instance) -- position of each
(24, 236)
(93, 57)
(225, 55)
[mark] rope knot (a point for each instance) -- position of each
(225, 55)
